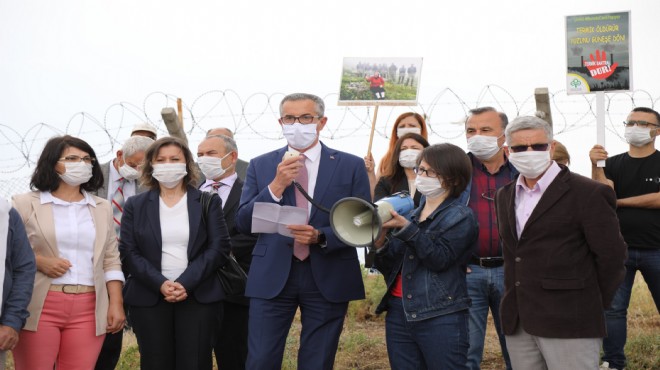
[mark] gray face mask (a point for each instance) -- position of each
(76, 173)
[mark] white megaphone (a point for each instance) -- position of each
(352, 219)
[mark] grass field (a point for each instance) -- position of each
(362, 344)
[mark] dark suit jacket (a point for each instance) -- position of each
(241, 168)
(141, 246)
(241, 244)
(568, 263)
(336, 268)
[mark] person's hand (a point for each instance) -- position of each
(287, 171)
(167, 288)
(599, 67)
(173, 291)
(597, 153)
(370, 164)
(53, 267)
(116, 318)
(396, 222)
(305, 234)
(8, 338)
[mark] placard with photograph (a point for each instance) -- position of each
(598, 53)
(380, 81)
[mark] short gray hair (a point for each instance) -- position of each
(528, 123)
(136, 144)
(320, 105)
(230, 144)
(211, 132)
(477, 111)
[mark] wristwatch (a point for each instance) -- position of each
(320, 239)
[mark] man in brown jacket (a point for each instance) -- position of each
(563, 256)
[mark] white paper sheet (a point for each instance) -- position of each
(272, 218)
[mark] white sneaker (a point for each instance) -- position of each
(606, 366)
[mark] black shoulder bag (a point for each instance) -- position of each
(232, 276)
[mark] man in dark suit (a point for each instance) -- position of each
(240, 166)
(563, 255)
(313, 270)
(217, 157)
(122, 172)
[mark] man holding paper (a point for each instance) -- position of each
(313, 269)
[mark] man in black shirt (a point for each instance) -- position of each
(635, 177)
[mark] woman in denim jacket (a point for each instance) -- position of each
(424, 265)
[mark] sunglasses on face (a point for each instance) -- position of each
(524, 148)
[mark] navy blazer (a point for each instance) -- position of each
(141, 246)
(336, 268)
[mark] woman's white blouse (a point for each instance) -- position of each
(75, 233)
(174, 231)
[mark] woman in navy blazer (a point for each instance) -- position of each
(172, 253)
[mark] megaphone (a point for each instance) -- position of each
(352, 219)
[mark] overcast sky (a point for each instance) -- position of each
(63, 57)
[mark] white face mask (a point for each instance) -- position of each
(212, 166)
(638, 136)
(169, 174)
(530, 164)
(483, 147)
(76, 173)
(431, 187)
(408, 130)
(128, 173)
(408, 158)
(300, 136)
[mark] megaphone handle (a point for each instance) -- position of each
(309, 199)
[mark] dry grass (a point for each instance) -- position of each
(362, 343)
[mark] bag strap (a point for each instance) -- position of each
(205, 201)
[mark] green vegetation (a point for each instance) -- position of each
(355, 87)
(362, 343)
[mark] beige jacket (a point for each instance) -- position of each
(40, 228)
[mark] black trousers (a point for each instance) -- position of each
(176, 336)
(231, 346)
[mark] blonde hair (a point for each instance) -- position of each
(561, 155)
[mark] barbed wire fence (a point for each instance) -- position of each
(252, 119)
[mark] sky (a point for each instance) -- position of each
(108, 58)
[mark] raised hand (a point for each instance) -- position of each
(599, 67)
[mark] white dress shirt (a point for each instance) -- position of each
(75, 233)
(224, 190)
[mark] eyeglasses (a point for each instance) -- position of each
(305, 119)
(489, 194)
(642, 124)
(523, 148)
(76, 159)
(422, 170)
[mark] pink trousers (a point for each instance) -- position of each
(65, 336)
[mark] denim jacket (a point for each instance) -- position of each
(432, 256)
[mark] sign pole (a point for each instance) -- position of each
(179, 106)
(600, 123)
(373, 129)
